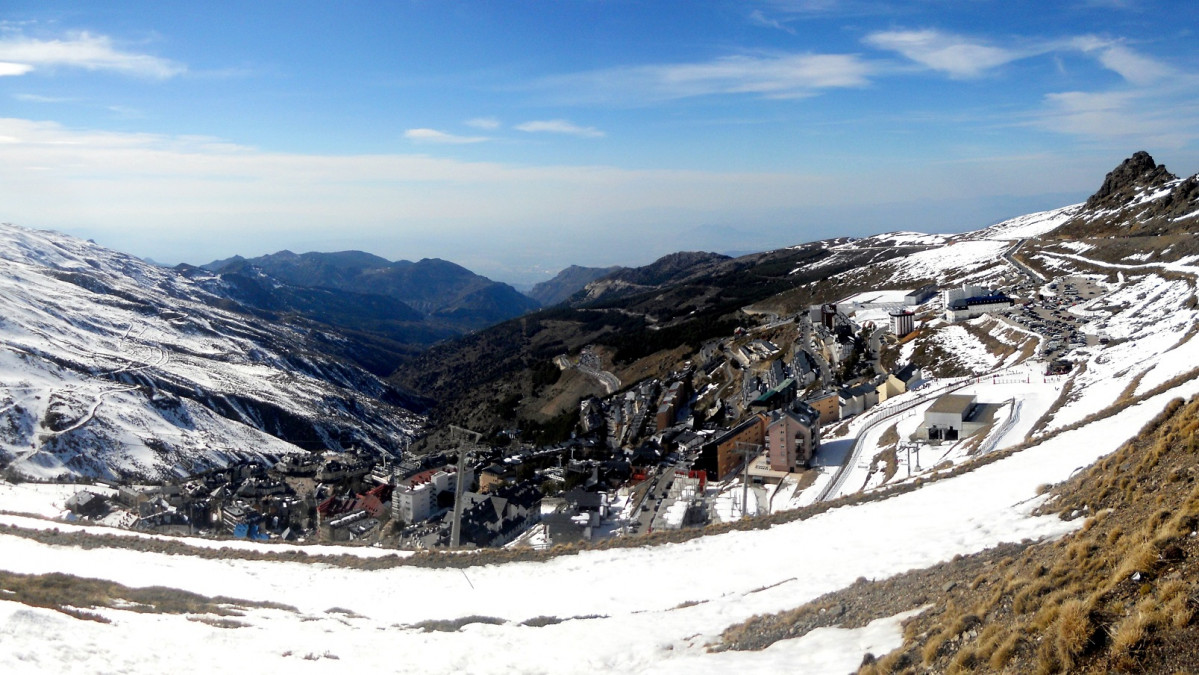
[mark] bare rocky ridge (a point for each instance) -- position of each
(1137, 198)
(1122, 183)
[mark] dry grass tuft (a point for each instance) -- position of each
(1073, 631)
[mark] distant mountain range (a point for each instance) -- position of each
(115, 367)
(648, 321)
(568, 282)
(413, 304)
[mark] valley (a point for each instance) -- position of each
(706, 464)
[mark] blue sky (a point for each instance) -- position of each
(519, 137)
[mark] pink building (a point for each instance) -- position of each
(792, 437)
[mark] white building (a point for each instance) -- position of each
(903, 321)
(969, 302)
(953, 417)
(949, 295)
(447, 479)
(920, 295)
(413, 503)
(969, 308)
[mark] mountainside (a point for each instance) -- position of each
(380, 330)
(648, 321)
(671, 268)
(1061, 537)
(116, 368)
(446, 294)
(641, 322)
(566, 283)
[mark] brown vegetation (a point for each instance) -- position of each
(1119, 595)
(1020, 585)
(71, 595)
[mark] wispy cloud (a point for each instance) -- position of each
(435, 136)
(38, 98)
(964, 57)
(1140, 117)
(757, 18)
(835, 7)
(559, 127)
(488, 123)
(20, 55)
(1119, 58)
(220, 199)
(957, 56)
(772, 75)
(1112, 4)
(126, 112)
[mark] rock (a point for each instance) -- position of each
(1121, 206)
(1135, 172)
(949, 586)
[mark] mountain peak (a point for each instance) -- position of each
(1135, 173)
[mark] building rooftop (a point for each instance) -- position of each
(906, 373)
(953, 403)
(997, 298)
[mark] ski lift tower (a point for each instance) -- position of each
(466, 440)
(748, 451)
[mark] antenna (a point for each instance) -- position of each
(748, 451)
(465, 439)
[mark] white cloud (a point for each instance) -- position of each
(488, 123)
(957, 56)
(1134, 67)
(20, 55)
(14, 68)
(769, 75)
(435, 136)
(832, 7)
(1140, 118)
(963, 57)
(559, 127)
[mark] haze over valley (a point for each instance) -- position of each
(784, 336)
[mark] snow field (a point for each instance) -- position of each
(958, 262)
(1031, 225)
(1150, 323)
(644, 593)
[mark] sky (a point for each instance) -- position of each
(516, 138)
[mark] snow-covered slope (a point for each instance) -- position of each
(657, 609)
(651, 609)
(113, 367)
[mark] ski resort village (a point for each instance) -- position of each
(775, 462)
(880, 388)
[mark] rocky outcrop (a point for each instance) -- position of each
(1123, 183)
(1138, 198)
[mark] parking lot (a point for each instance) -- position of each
(1047, 312)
